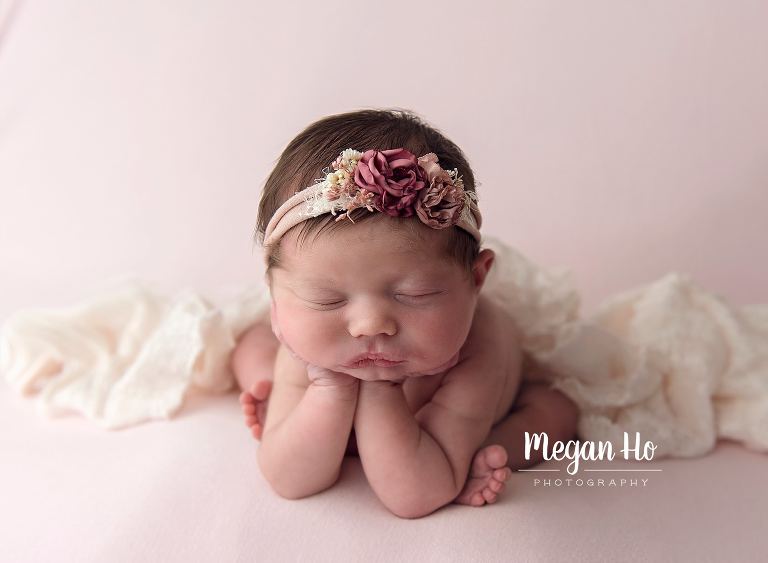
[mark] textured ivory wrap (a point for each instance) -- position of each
(670, 360)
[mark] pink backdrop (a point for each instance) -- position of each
(619, 140)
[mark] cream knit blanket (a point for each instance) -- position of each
(669, 360)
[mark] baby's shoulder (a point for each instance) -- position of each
(489, 361)
(494, 335)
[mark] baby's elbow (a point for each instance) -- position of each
(411, 515)
(414, 508)
(292, 487)
(427, 500)
(295, 494)
(414, 512)
(294, 490)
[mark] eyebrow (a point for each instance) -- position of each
(429, 277)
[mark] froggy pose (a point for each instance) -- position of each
(380, 342)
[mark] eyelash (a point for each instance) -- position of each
(400, 294)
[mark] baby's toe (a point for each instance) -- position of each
(496, 486)
(251, 420)
(502, 474)
(496, 456)
(249, 409)
(489, 496)
(477, 499)
(256, 431)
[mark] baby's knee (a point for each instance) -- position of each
(257, 335)
(558, 409)
(255, 349)
(568, 413)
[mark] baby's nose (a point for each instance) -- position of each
(372, 319)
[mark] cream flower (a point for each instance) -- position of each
(347, 160)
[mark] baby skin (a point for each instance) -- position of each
(525, 404)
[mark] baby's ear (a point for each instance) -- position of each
(268, 279)
(482, 266)
(273, 321)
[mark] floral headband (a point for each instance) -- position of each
(392, 181)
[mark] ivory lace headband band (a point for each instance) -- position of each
(392, 181)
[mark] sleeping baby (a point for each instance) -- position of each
(380, 342)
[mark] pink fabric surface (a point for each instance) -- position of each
(621, 140)
(190, 489)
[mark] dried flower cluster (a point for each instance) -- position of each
(397, 183)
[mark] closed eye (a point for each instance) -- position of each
(408, 297)
(419, 296)
(326, 303)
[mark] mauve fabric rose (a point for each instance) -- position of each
(441, 203)
(395, 176)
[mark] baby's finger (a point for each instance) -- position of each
(314, 371)
(246, 398)
(292, 353)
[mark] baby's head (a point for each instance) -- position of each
(400, 280)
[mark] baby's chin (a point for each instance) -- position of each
(377, 373)
(394, 373)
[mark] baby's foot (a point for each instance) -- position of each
(486, 477)
(254, 404)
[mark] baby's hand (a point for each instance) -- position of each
(328, 378)
(395, 379)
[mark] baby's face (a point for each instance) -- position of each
(368, 289)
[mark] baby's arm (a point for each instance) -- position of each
(416, 464)
(405, 467)
(307, 428)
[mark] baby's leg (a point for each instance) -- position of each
(253, 362)
(253, 358)
(537, 408)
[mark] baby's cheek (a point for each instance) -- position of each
(309, 336)
(273, 321)
(442, 335)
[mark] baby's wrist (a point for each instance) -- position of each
(380, 386)
(343, 389)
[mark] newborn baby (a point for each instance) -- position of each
(381, 343)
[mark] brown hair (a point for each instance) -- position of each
(312, 150)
